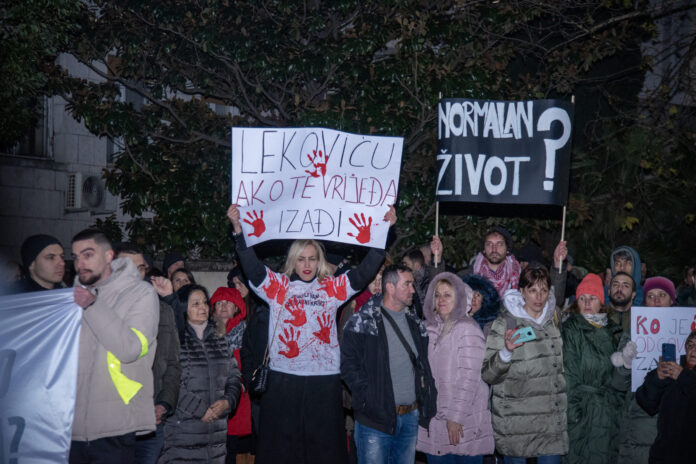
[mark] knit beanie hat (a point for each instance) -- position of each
(662, 283)
(170, 259)
(34, 245)
(591, 285)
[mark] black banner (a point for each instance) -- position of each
(509, 152)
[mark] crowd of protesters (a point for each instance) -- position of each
(318, 362)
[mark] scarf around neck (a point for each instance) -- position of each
(597, 320)
(506, 277)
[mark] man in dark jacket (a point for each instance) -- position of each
(376, 367)
(671, 390)
(166, 370)
(42, 257)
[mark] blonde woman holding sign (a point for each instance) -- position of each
(301, 411)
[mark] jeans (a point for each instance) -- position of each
(454, 459)
(108, 450)
(148, 447)
(375, 447)
(550, 459)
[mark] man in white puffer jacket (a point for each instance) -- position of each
(117, 347)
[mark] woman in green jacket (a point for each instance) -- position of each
(595, 388)
(529, 399)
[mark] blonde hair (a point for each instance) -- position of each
(298, 247)
(443, 282)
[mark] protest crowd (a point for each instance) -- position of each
(393, 360)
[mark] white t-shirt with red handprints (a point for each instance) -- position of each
(302, 323)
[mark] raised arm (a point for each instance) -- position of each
(253, 268)
(362, 274)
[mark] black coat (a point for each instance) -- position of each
(365, 364)
(208, 373)
(166, 370)
(675, 400)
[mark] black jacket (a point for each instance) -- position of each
(675, 400)
(208, 373)
(166, 370)
(254, 342)
(365, 364)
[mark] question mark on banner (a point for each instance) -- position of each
(544, 124)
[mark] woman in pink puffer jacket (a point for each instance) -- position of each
(461, 430)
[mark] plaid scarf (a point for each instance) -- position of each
(507, 276)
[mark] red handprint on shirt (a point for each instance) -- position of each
(335, 287)
(296, 308)
(363, 228)
(276, 289)
(257, 223)
(290, 340)
(325, 324)
(319, 162)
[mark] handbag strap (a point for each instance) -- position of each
(270, 340)
(401, 337)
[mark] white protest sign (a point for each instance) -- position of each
(650, 328)
(314, 183)
(39, 341)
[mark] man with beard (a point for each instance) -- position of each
(42, 257)
(496, 263)
(622, 291)
(117, 348)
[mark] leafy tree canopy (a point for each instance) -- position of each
(378, 67)
(32, 33)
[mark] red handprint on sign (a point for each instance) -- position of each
(325, 324)
(276, 289)
(290, 340)
(319, 162)
(363, 228)
(335, 287)
(296, 308)
(256, 222)
(693, 324)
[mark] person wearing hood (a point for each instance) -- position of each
(209, 388)
(461, 430)
(229, 314)
(626, 259)
(529, 390)
(301, 411)
(595, 388)
(670, 390)
(485, 301)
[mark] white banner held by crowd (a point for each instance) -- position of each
(314, 183)
(650, 328)
(39, 339)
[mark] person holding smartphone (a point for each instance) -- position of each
(529, 390)
(670, 390)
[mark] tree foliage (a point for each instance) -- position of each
(32, 34)
(378, 67)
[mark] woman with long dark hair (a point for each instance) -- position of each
(209, 387)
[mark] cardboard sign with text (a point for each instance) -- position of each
(504, 152)
(314, 183)
(650, 328)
